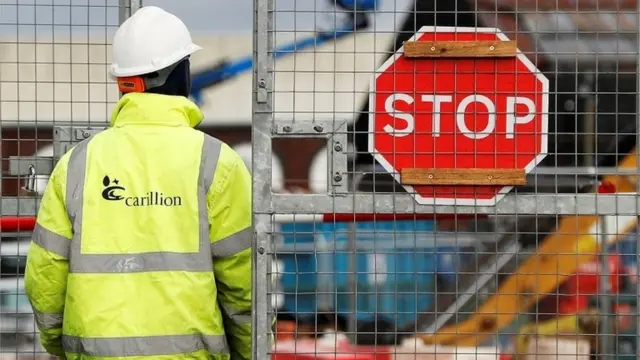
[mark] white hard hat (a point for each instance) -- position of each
(150, 40)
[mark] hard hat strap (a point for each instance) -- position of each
(159, 77)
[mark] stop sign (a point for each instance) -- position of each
(458, 113)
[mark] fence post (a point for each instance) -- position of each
(262, 172)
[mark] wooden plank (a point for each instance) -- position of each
(416, 176)
(422, 49)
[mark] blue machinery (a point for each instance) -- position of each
(371, 269)
(225, 70)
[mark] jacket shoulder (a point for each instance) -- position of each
(227, 156)
(230, 166)
(65, 160)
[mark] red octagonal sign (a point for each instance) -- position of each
(458, 113)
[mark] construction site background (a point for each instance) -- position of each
(527, 279)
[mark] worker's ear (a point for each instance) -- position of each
(131, 84)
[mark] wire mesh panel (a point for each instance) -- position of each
(54, 89)
(480, 199)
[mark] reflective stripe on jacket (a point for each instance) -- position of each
(142, 243)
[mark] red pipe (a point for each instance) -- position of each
(17, 223)
(347, 217)
(27, 223)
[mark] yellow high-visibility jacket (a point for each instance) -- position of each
(142, 248)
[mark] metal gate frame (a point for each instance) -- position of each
(266, 203)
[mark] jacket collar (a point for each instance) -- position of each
(155, 109)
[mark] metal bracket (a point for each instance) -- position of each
(262, 95)
(336, 134)
(317, 128)
(64, 137)
(30, 165)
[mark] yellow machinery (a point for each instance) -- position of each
(575, 242)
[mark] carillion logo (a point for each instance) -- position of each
(114, 191)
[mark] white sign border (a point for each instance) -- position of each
(396, 175)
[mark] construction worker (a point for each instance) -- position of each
(142, 243)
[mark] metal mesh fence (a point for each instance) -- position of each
(488, 208)
(479, 156)
(53, 75)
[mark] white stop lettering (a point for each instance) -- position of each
(511, 118)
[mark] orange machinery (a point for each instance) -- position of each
(575, 242)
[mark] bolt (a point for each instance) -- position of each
(337, 177)
(491, 47)
(262, 83)
(318, 128)
(287, 128)
(85, 134)
(490, 177)
(261, 250)
(337, 147)
(430, 176)
(433, 48)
